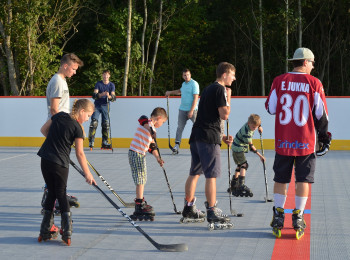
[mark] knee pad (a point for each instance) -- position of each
(94, 123)
(105, 130)
(244, 165)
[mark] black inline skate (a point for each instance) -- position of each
(217, 220)
(233, 187)
(191, 214)
(242, 190)
(277, 222)
(48, 230)
(72, 200)
(143, 211)
(299, 223)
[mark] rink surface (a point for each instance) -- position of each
(101, 232)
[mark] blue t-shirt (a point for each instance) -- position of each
(110, 87)
(188, 89)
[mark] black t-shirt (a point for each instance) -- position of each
(61, 136)
(207, 125)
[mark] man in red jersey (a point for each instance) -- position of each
(299, 103)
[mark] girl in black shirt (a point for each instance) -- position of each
(61, 131)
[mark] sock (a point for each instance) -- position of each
(280, 200)
(300, 203)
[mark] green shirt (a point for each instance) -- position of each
(242, 139)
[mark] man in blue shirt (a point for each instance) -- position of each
(104, 92)
(189, 92)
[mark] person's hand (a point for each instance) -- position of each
(260, 129)
(167, 94)
(189, 114)
(227, 140)
(262, 158)
(160, 161)
(103, 94)
(89, 179)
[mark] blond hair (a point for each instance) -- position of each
(254, 119)
(78, 105)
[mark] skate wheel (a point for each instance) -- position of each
(133, 217)
(40, 239)
(251, 195)
(299, 234)
(75, 205)
(276, 232)
(181, 220)
(228, 190)
(42, 211)
(211, 226)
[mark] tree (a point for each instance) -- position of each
(128, 50)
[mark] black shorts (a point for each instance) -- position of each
(205, 158)
(304, 168)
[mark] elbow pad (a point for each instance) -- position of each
(95, 95)
(152, 147)
(143, 120)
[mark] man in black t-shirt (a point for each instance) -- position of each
(205, 142)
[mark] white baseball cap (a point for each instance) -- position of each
(303, 54)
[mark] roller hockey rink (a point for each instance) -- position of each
(101, 232)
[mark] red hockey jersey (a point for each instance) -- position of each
(299, 103)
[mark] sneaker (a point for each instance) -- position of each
(176, 149)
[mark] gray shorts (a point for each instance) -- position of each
(205, 158)
(304, 168)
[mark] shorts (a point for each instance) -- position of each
(239, 157)
(304, 168)
(205, 158)
(138, 166)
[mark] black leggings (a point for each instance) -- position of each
(55, 177)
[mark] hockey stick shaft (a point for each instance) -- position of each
(128, 205)
(229, 167)
(167, 105)
(109, 122)
(161, 247)
(166, 177)
(264, 166)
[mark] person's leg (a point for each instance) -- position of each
(210, 191)
(190, 187)
(105, 125)
(181, 123)
(46, 169)
(139, 191)
(93, 126)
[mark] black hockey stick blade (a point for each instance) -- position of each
(161, 247)
(125, 204)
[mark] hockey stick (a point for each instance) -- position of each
(109, 122)
(128, 205)
(233, 212)
(166, 177)
(167, 105)
(161, 247)
(266, 188)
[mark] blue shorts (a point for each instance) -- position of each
(205, 158)
(304, 168)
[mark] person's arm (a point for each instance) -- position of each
(79, 152)
(173, 92)
(54, 103)
(254, 150)
(224, 111)
(194, 104)
(45, 128)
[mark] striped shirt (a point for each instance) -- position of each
(242, 139)
(142, 139)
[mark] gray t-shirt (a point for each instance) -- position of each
(58, 88)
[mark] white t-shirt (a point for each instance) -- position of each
(58, 88)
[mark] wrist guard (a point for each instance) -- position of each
(251, 148)
(152, 147)
(143, 120)
(95, 95)
(113, 98)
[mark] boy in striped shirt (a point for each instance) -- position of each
(242, 144)
(142, 142)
